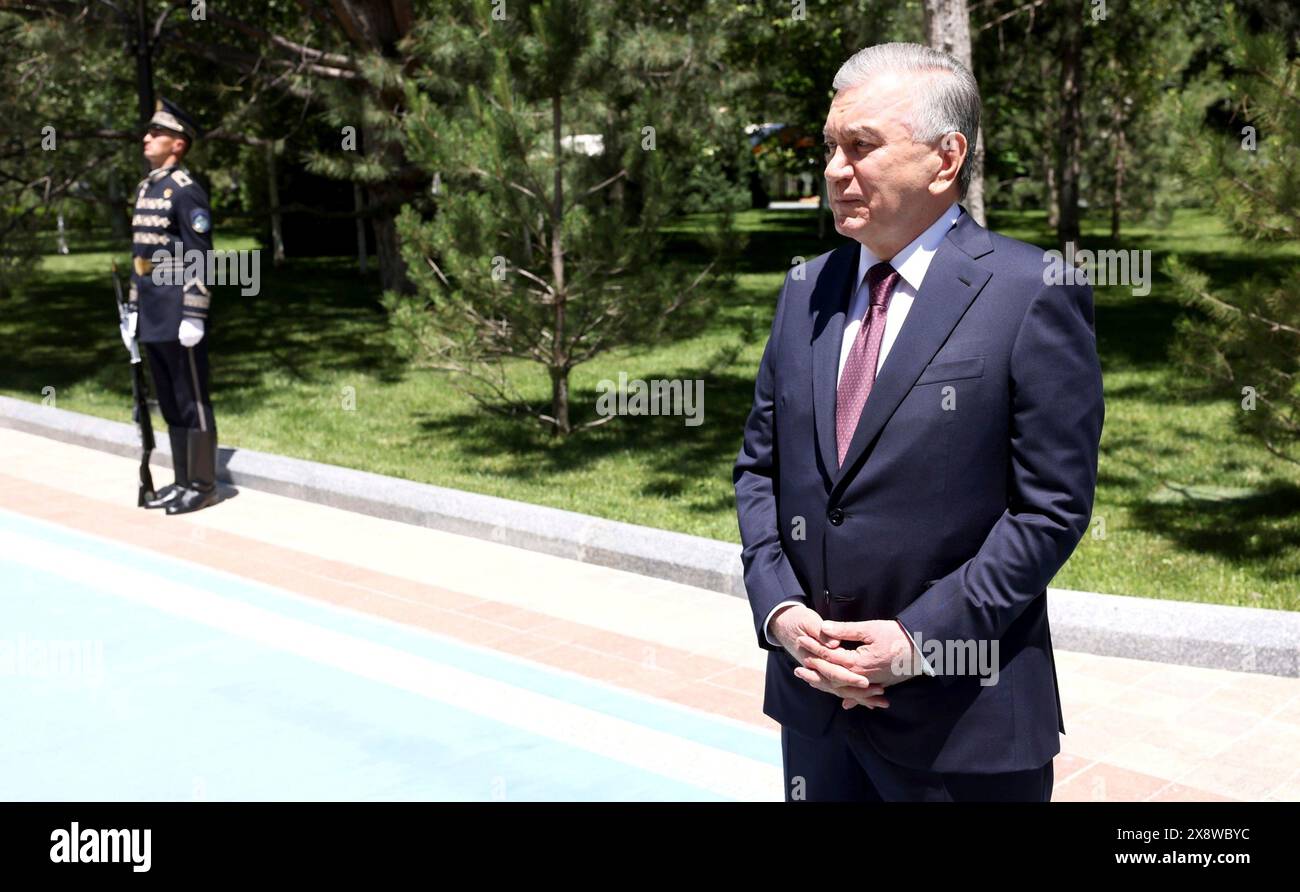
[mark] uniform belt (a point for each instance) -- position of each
(143, 266)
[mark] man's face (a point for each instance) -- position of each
(878, 178)
(159, 145)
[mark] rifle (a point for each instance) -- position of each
(140, 393)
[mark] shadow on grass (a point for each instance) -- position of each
(311, 317)
(1255, 528)
(673, 458)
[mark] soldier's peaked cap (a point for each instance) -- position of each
(171, 116)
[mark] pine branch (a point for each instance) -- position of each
(1230, 309)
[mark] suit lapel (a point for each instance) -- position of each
(830, 300)
(951, 283)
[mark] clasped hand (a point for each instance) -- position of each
(858, 675)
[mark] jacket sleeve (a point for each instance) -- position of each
(769, 578)
(194, 218)
(1055, 426)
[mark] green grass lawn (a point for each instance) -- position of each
(1191, 510)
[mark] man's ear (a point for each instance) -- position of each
(953, 149)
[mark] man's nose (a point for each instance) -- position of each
(837, 167)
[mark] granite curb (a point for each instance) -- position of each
(1243, 639)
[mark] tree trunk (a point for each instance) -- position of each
(116, 221)
(947, 28)
(143, 70)
(1053, 196)
(359, 205)
(392, 271)
(378, 26)
(974, 200)
(1117, 197)
(1071, 131)
(1049, 146)
(273, 192)
(559, 357)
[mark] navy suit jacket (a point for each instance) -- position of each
(968, 483)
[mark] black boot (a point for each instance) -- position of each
(202, 490)
(180, 465)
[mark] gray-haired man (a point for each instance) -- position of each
(927, 415)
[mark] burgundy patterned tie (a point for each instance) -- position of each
(860, 368)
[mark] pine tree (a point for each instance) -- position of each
(543, 247)
(1248, 339)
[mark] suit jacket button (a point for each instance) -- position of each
(836, 517)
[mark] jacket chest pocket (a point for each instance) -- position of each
(952, 370)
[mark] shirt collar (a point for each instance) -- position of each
(913, 261)
(159, 173)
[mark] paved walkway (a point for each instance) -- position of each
(275, 649)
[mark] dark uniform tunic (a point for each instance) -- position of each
(171, 232)
(171, 219)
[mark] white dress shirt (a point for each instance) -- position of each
(911, 263)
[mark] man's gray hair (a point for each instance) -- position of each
(940, 104)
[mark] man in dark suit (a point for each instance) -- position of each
(919, 462)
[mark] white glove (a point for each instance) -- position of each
(127, 327)
(191, 331)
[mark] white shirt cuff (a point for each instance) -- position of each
(767, 622)
(925, 664)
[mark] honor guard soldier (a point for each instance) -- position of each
(171, 232)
